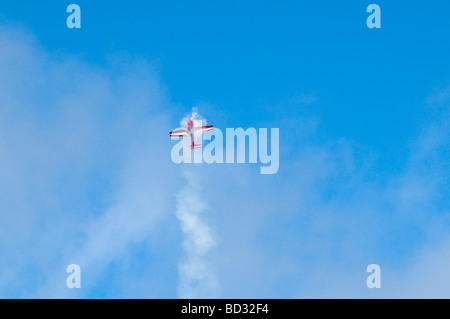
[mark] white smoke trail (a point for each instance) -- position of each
(197, 278)
(194, 116)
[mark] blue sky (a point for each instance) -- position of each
(364, 144)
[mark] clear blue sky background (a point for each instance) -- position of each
(364, 139)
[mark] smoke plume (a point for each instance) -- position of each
(197, 278)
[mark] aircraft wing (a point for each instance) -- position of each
(203, 129)
(182, 132)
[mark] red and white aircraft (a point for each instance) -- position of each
(191, 130)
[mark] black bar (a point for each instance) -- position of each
(218, 308)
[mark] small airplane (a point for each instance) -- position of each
(191, 130)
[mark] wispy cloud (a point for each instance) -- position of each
(83, 175)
